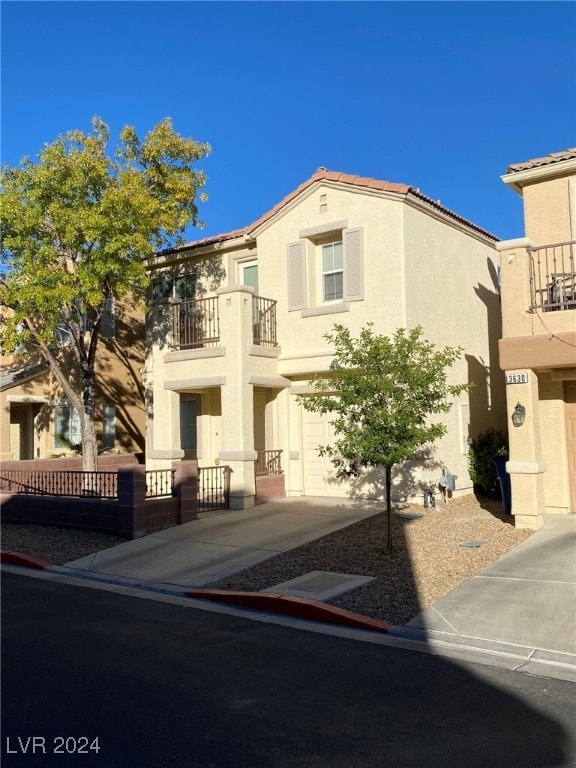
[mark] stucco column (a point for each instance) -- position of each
(526, 467)
(237, 394)
(5, 452)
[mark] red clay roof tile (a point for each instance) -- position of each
(553, 157)
(322, 174)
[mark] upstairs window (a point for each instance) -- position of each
(325, 269)
(108, 323)
(332, 271)
(181, 287)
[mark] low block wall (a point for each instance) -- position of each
(269, 487)
(131, 515)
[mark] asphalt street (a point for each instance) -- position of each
(94, 678)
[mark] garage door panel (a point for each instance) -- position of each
(319, 473)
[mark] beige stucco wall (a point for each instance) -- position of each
(417, 270)
(547, 211)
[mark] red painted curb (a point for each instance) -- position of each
(17, 558)
(292, 606)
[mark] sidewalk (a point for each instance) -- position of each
(523, 605)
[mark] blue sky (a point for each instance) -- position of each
(439, 95)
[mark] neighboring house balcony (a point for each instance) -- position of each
(538, 301)
(552, 277)
(196, 323)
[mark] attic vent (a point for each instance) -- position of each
(323, 203)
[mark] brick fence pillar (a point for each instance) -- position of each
(131, 500)
(186, 483)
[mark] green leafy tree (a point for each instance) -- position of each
(79, 226)
(381, 393)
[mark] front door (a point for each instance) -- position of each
(188, 426)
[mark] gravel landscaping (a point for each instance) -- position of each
(428, 559)
(54, 545)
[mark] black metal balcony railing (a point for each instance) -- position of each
(264, 322)
(268, 463)
(196, 324)
(553, 277)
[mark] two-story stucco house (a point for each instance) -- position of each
(538, 346)
(236, 324)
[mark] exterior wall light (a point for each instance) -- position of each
(519, 415)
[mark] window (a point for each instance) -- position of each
(182, 287)
(250, 275)
(332, 271)
(66, 426)
(108, 426)
(108, 323)
(325, 269)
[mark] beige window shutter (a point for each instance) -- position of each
(296, 276)
(353, 264)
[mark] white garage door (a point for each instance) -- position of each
(319, 474)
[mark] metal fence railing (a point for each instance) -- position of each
(553, 277)
(102, 485)
(213, 488)
(268, 463)
(160, 482)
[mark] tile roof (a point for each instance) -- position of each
(11, 377)
(322, 174)
(553, 157)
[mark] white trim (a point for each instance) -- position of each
(175, 453)
(519, 242)
(274, 382)
(326, 309)
(27, 399)
(194, 354)
(235, 289)
(202, 382)
(237, 455)
(323, 229)
(525, 467)
(550, 170)
(258, 351)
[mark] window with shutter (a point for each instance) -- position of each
(296, 275)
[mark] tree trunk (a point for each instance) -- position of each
(389, 505)
(89, 444)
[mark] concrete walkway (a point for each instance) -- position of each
(522, 606)
(223, 542)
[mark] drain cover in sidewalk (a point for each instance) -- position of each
(320, 585)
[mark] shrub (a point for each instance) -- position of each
(481, 466)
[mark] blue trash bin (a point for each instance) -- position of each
(504, 480)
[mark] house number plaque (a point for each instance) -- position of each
(516, 378)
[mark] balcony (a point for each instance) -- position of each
(196, 323)
(553, 277)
